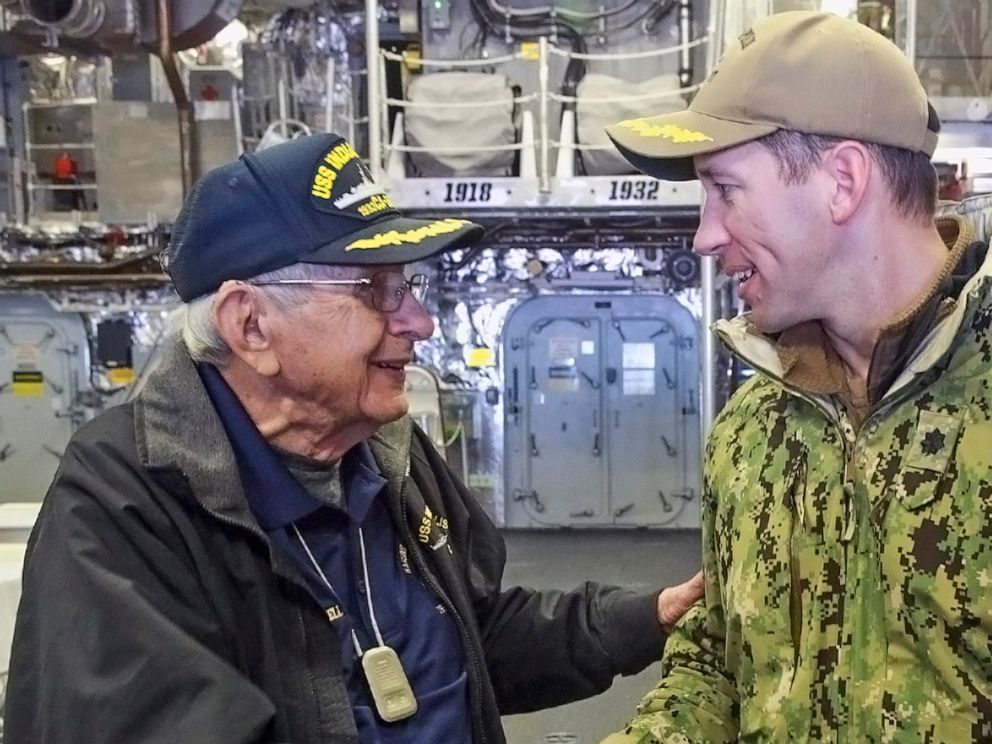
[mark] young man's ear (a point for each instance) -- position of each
(850, 169)
(239, 314)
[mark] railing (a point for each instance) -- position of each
(567, 146)
(386, 149)
(538, 186)
(278, 107)
(395, 145)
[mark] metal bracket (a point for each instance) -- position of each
(521, 495)
(621, 510)
(665, 505)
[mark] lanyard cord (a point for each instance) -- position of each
(368, 586)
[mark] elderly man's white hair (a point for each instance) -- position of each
(200, 334)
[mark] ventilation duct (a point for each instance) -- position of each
(81, 18)
(271, 7)
(110, 25)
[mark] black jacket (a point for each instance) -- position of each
(154, 608)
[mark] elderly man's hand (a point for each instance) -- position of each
(674, 601)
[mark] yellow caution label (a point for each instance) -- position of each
(120, 375)
(482, 357)
(28, 382)
(411, 58)
(678, 135)
(409, 237)
(530, 51)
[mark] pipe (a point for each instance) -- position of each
(373, 83)
(911, 13)
(282, 98)
(239, 134)
(187, 163)
(72, 280)
(715, 33)
(707, 387)
(685, 35)
(543, 123)
(707, 268)
(383, 113)
(75, 18)
(329, 96)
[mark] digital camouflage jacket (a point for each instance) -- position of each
(848, 573)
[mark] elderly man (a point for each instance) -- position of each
(847, 538)
(262, 547)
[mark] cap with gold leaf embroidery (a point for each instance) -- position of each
(804, 71)
(309, 200)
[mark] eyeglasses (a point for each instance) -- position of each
(388, 287)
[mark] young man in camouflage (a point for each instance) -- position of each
(848, 488)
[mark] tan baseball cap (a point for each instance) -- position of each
(809, 72)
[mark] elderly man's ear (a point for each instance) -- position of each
(243, 321)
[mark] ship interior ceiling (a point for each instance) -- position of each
(571, 377)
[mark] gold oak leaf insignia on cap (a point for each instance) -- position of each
(676, 134)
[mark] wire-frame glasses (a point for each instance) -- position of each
(387, 288)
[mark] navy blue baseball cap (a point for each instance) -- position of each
(309, 200)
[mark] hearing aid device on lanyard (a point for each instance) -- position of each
(391, 690)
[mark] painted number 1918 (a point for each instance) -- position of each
(468, 191)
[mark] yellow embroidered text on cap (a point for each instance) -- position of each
(337, 157)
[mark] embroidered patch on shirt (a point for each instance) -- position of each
(404, 558)
(933, 442)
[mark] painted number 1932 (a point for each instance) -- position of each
(637, 190)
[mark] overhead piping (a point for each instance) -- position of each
(374, 83)
(187, 162)
(685, 36)
(77, 18)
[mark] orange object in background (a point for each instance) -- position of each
(65, 173)
(66, 167)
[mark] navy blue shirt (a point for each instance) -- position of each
(411, 619)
